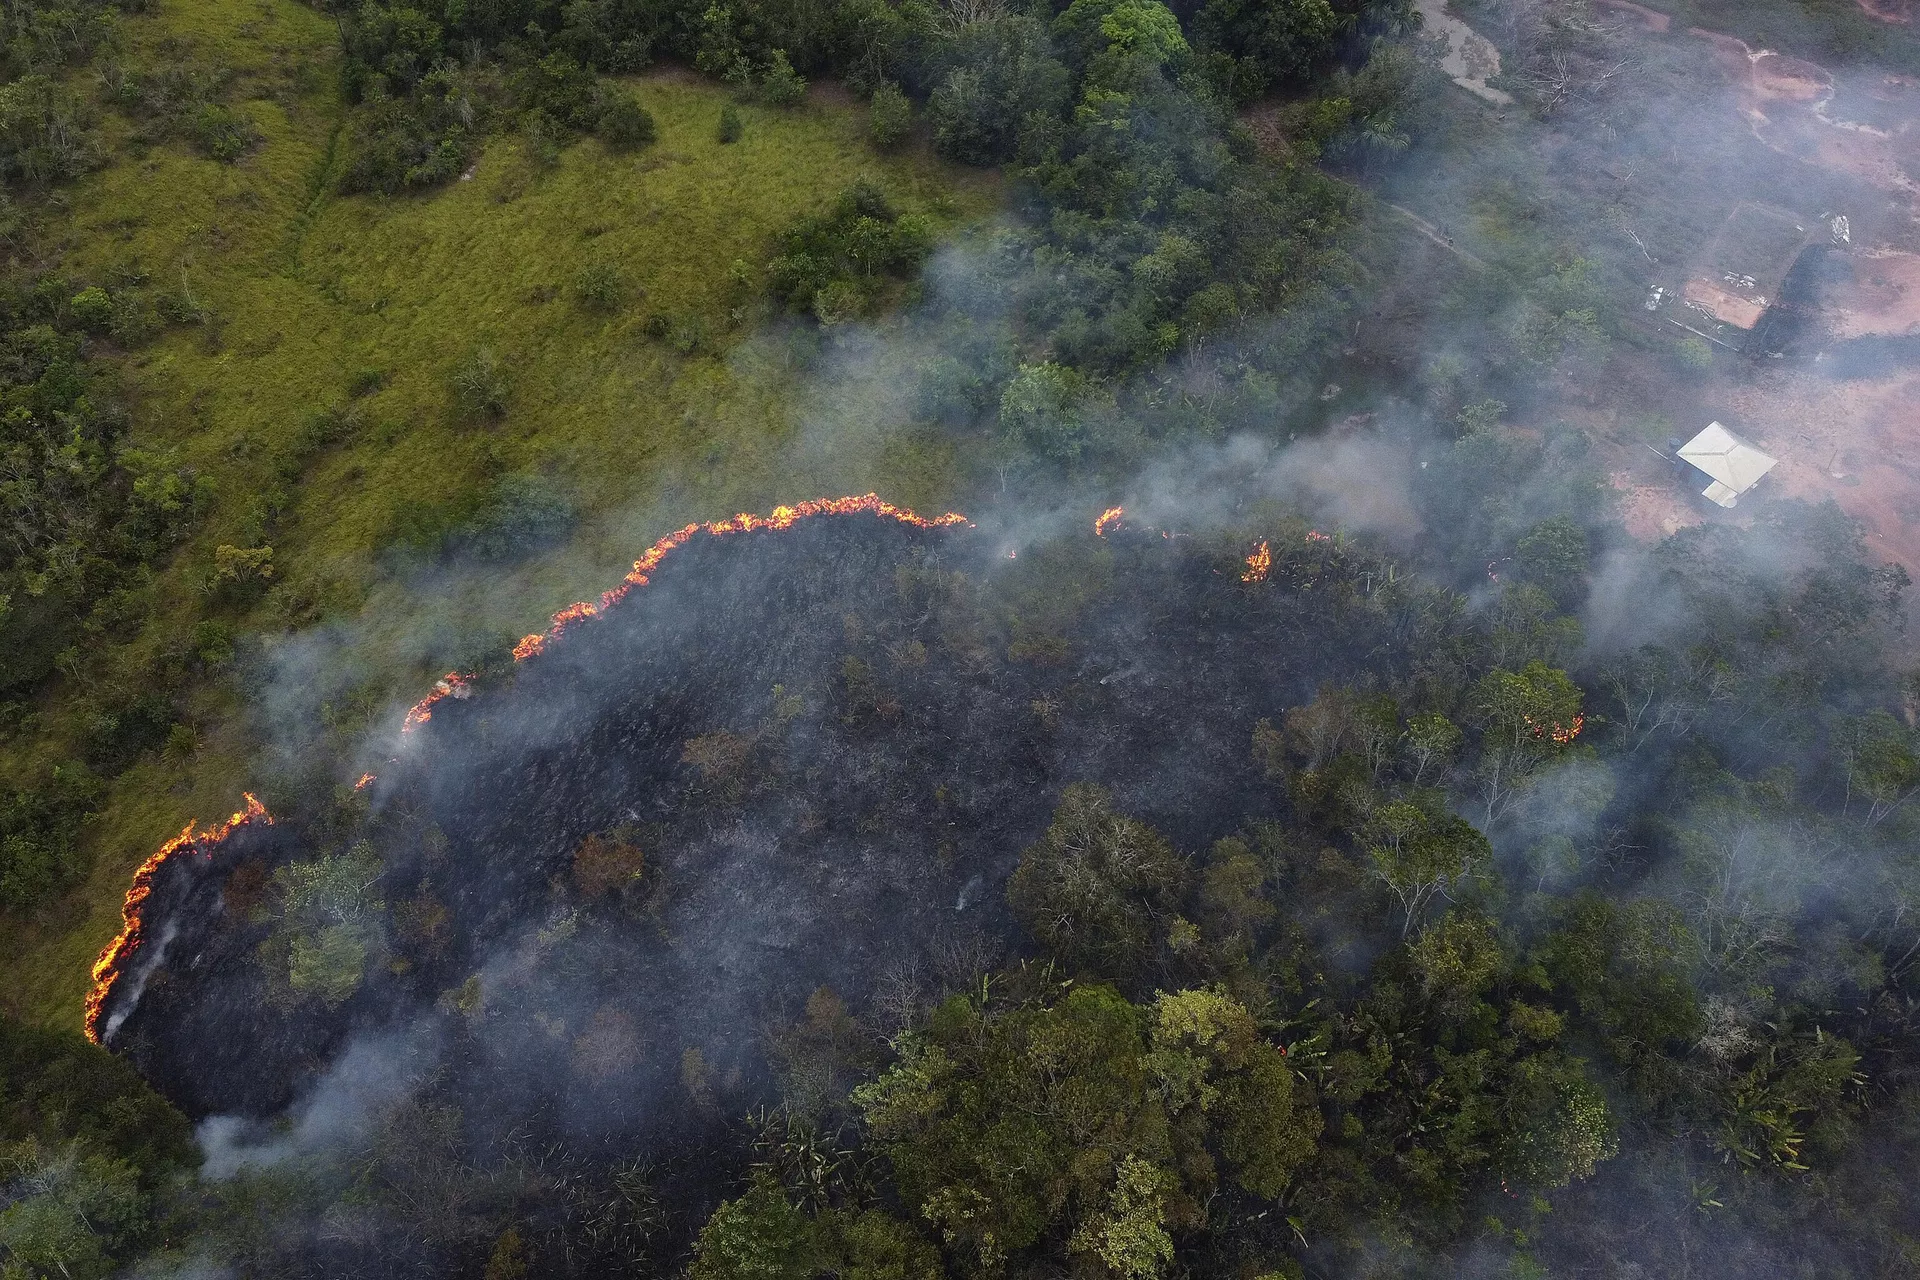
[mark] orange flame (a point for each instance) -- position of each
(363, 782)
(455, 685)
(1562, 735)
(1258, 564)
(113, 958)
(1108, 518)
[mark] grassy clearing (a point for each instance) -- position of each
(307, 292)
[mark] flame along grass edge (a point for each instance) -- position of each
(115, 955)
(455, 685)
(113, 958)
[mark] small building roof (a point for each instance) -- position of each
(1734, 465)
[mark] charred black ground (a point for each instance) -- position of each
(831, 744)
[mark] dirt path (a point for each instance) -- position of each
(1436, 235)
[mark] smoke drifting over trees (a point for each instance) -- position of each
(1412, 837)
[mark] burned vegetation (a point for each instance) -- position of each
(801, 762)
(868, 895)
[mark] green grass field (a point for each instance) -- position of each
(306, 290)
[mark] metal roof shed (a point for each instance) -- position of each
(1733, 465)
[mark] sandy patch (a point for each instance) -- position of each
(1880, 299)
(1654, 511)
(1722, 304)
(1786, 103)
(1855, 442)
(1776, 77)
(1468, 58)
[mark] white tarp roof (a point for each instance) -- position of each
(1734, 465)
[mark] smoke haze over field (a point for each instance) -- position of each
(715, 848)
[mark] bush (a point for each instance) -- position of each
(480, 385)
(39, 826)
(1094, 888)
(92, 309)
(889, 116)
(783, 87)
(240, 573)
(624, 124)
(837, 264)
(523, 513)
(224, 134)
(600, 287)
(730, 126)
(401, 144)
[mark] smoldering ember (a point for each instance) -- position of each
(1360, 717)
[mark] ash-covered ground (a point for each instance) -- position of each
(811, 758)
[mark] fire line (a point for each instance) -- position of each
(113, 958)
(454, 685)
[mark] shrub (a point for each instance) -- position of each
(480, 385)
(38, 830)
(783, 87)
(92, 309)
(561, 87)
(1093, 888)
(523, 513)
(133, 321)
(546, 136)
(837, 263)
(730, 125)
(607, 864)
(889, 116)
(624, 124)
(240, 573)
(224, 134)
(600, 287)
(365, 382)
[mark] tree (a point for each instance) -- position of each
(889, 116)
(1421, 852)
(1881, 762)
(624, 124)
(1093, 888)
(1211, 1062)
(1267, 42)
(1040, 410)
(1526, 717)
(330, 921)
(67, 1209)
(999, 76)
(1077, 1116)
(1431, 740)
(1553, 556)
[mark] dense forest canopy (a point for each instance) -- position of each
(1301, 826)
